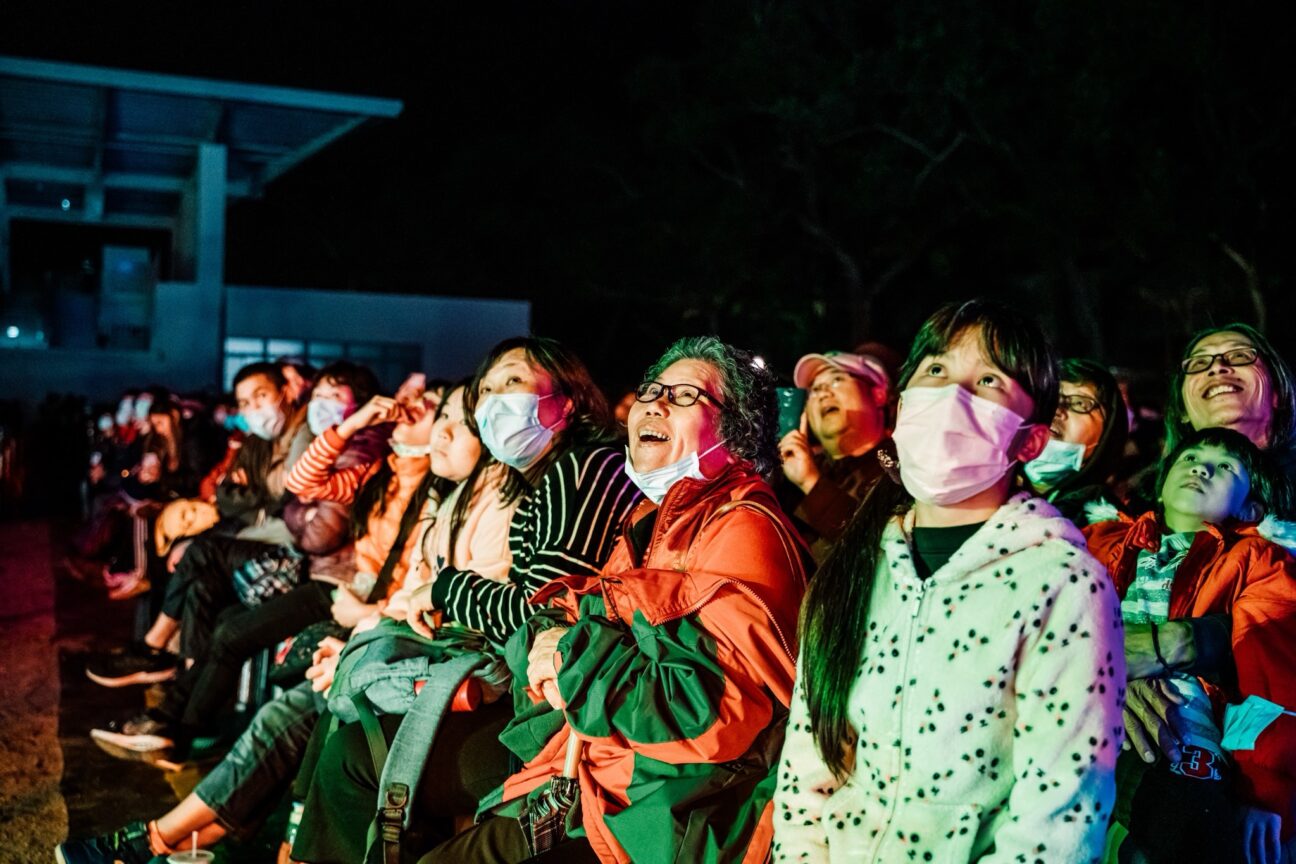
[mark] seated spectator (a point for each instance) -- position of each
(959, 689)
(252, 496)
(673, 667)
(240, 792)
(847, 414)
(539, 414)
(1086, 440)
(1199, 555)
(384, 516)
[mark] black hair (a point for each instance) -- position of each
(1110, 449)
(372, 496)
(459, 513)
(749, 416)
(590, 421)
(1257, 464)
(834, 616)
(261, 367)
(358, 377)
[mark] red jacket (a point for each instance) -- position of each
(670, 720)
(1232, 569)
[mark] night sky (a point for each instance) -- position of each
(794, 177)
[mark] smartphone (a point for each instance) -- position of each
(791, 405)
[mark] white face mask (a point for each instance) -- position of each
(1060, 460)
(409, 451)
(511, 430)
(656, 483)
(324, 414)
(142, 406)
(952, 444)
(125, 412)
(265, 422)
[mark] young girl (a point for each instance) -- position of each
(961, 675)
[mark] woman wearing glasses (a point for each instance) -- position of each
(1086, 440)
(1231, 376)
(674, 666)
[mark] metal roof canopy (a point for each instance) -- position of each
(94, 144)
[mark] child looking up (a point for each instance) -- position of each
(1201, 556)
(959, 691)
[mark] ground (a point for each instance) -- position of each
(54, 782)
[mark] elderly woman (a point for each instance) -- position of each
(1086, 440)
(673, 667)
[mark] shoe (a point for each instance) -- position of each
(129, 845)
(139, 739)
(124, 586)
(137, 664)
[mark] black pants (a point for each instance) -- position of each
(467, 761)
(1173, 818)
(202, 587)
(196, 697)
(499, 840)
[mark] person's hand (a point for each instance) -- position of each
(420, 606)
(798, 460)
(348, 609)
(237, 477)
(542, 666)
(324, 663)
(1147, 724)
(1261, 836)
(1175, 639)
(379, 409)
(177, 552)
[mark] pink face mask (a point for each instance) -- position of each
(951, 443)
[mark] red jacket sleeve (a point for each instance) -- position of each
(1264, 652)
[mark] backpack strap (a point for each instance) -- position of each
(409, 518)
(404, 762)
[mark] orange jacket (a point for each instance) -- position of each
(676, 672)
(1232, 569)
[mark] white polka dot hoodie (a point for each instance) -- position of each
(988, 708)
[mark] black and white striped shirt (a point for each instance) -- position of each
(565, 527)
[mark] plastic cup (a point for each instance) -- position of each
(192, 856)
(791, 404)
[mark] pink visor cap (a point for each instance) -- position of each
(862, 366)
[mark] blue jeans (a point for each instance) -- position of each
(249, 782)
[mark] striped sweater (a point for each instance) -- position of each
(565, 527)
(319, 475)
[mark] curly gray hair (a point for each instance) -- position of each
(749, 421)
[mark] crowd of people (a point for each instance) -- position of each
(937, 607)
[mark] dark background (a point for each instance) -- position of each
(791, 176)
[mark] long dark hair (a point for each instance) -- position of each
(1110, 449)
(467, 486)
(372, 497)
(590, 421)
(834, 617)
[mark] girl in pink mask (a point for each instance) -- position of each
(961, 673)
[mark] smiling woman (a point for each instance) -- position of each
(1231, 376)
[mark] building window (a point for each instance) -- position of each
(390, 361)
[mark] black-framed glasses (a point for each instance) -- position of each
(1077, 403)
(681, 395)
(1201, 362)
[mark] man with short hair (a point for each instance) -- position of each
(846, 411)
(252, 493)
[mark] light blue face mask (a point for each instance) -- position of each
(511, 430)
(323, 414)
(1244, 723)
(656, 483)
(1059, 460)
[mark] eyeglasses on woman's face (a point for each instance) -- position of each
(1199, 363)
(679, 395)
(1078, 403)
